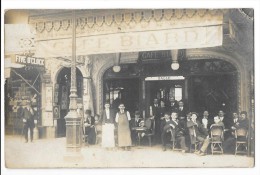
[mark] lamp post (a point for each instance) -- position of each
(73, 121)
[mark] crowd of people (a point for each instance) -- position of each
(173, 128)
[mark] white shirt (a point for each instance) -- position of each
(107, 113)
(127, 114)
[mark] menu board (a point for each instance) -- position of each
(48, 100)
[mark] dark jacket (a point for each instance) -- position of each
(198, 128)
(29, 117)
(111, 117)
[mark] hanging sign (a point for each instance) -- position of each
(164, 78)
(29, 60)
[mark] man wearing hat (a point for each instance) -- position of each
(90, 130)
(167, 130)
(28, 120)
(198, 133)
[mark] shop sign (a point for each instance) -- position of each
(168, 39)
(29, 60)
(160, 78)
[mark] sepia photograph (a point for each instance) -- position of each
(129, 88)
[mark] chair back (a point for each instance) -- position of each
(217, 133)
(241, 132)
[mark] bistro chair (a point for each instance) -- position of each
(217, 137)
(149, 134)
(194, 143)
(241, 135)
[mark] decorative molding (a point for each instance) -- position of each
(92, 22)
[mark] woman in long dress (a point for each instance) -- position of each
(90, 129)
(108, 127)
(124, 134)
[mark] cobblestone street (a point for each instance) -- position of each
(50, 153)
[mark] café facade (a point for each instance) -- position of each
(203, 57)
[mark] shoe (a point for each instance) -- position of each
(197, 152)
(26, 141)
(164, 149)
(202, 154)
(183, 151)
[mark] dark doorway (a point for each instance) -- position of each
(64, 83)
(122, 91)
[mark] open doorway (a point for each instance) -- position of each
(63, 100)
(166, 91)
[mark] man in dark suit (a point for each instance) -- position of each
(178, 132)
(135, 122)
(167, 130)
(198, 132)
(230, 142)
(156, 112)
(181, 110)
(29, 122)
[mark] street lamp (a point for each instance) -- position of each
(73, 121)
(175, 65)
(116, 67)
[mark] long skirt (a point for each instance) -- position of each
(108, 137)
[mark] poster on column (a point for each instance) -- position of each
(64, 97)
(48, 98)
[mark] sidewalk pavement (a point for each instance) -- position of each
(49, 153)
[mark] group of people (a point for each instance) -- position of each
(174, 127)
(182, 128)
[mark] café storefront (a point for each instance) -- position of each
(134, 56)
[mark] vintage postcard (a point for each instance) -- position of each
(135, 88)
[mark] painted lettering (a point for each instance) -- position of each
(126, 40)
(151, 40)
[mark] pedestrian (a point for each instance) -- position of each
(90, 130)
(124, 134)
(28, 120)
(108, 127)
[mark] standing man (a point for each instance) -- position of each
(181, 110)
(108, 127)
(205, 120)
(124, 134)
(29, 122)
(156, 114)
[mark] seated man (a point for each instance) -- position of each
(147, 123)
(167, 127)
(135, 123)
(206, 142)
(199, 132)
(230, 143)
(178, 132)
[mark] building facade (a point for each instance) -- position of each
(203, 57)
